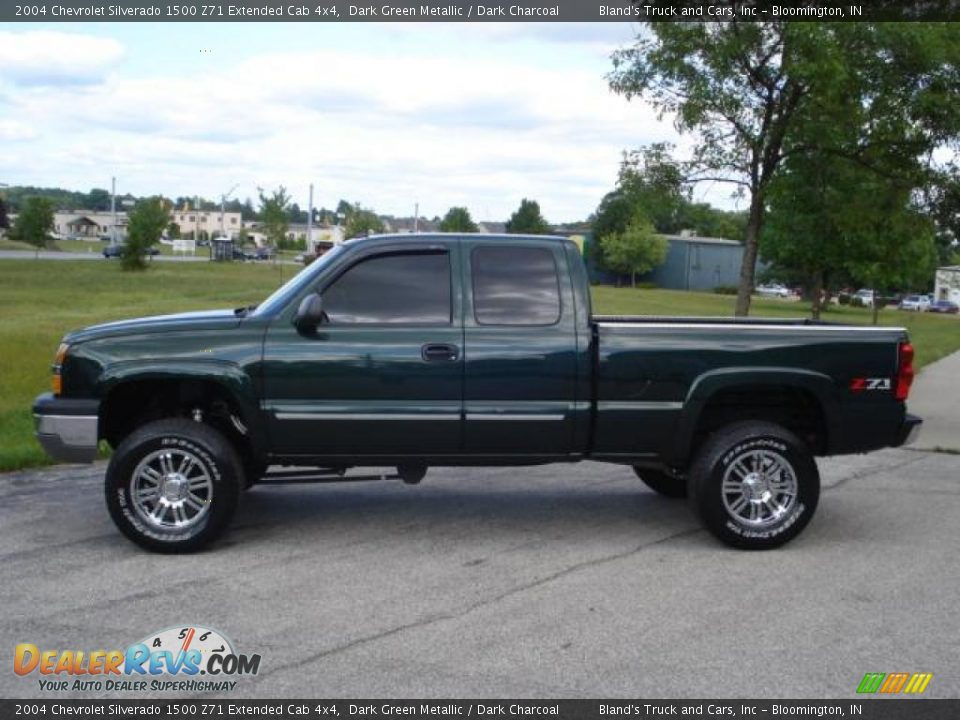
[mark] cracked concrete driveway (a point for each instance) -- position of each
(555, 581)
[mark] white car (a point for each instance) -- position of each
(865, 297)
(773, 290)
(917, 303)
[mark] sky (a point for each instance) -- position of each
(387, 115)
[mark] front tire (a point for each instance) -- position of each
(755, 485)
(662, 483)
(172, 485)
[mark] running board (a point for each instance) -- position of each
(290, 477)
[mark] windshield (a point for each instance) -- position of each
(282, 295)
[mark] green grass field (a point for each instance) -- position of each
(42, 300)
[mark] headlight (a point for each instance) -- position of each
(56, 381)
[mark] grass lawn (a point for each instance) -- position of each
(42, 300)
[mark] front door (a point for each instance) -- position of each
(384, 376)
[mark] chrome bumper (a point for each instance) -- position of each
(67, 429)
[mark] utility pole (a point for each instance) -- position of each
(309, 247)
(113, 210)
(223, 205)
(416, 217)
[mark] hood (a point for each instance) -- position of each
(204, 320)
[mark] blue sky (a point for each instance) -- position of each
(480, 115)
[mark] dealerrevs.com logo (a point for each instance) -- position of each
(182, 659)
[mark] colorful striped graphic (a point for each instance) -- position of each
(893, 683)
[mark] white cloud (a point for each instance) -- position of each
(11, 130)
(384, 129)
(56, 58)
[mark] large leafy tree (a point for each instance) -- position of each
(361, 221)
(458, 219)
(754, 93)
(4, 218)
(636, 249)
(34, 223)
(527, 219)
(273, 214)
(147, 222)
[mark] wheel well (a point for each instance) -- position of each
(794, 408)
(131, 404)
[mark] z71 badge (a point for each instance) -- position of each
(861, 384)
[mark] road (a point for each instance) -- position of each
(558, 581)
(57, 255)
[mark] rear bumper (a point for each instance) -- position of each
(909, 430)
(67, 428)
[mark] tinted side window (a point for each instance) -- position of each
(409, 288)
(515, 286)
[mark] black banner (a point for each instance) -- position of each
(869, 709)
(472, 11)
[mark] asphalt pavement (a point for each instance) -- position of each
(556, 581)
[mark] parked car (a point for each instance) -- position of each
(263, 253)
(944, 307)
(114, 251)
(916, 303)
(773, 290)
(864, 298)
(419, 350)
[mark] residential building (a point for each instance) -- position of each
(88, 224)
(209, 223)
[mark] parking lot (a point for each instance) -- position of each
(559, 581)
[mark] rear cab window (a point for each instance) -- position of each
(515, 285)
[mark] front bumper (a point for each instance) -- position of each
(67, 428)
(909, 430)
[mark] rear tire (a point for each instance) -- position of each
(172, 485)
(755, 485)
(662, 483)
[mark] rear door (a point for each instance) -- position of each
(384, 376)
(520, 349)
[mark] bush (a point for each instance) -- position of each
(726, 290)
(843, 299)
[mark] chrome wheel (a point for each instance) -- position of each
(759, 488)
(171, 490)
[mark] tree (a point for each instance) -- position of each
(4, 218)
(635, 250)
(34, 223)
(833, 221)
(458, 219)
(757, 92)
(147, 222)
(360, 221)
(273, 214)
(649, 183)
(527, 219)
(173, 229)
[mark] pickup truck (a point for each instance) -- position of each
(443, 349)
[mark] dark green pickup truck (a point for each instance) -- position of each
(420, 350)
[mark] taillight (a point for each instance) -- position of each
(904, 371)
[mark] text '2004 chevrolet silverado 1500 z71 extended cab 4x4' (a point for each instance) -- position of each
(421, 350)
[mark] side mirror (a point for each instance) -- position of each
(309, 314)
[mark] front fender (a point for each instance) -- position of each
(706, 386)
(231, 377)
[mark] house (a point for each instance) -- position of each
(947, 284)
(89, 224)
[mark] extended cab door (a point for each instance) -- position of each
(520, 394)
(384, 376)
